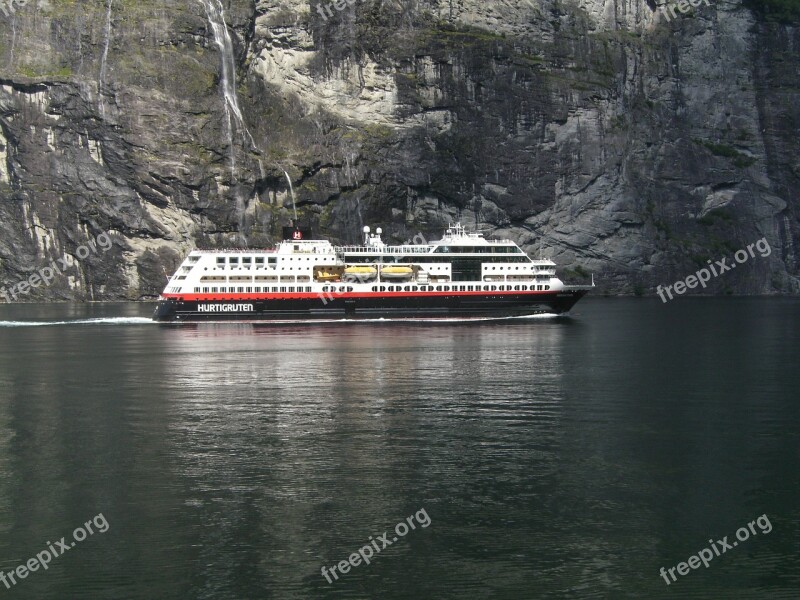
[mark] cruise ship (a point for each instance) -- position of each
(463, 275)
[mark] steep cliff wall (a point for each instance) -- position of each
(606, 135)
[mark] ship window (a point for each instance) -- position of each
(233, 260)
(283, 289)
(342, 290)
(220, 260)
(259, 260)
(374, 288)
(438, 288)
(547, 287)
(249, 290)
(246, 260)
(308, 289)
(272, 260)
(383, 288)
(213, 290)
(349, 289)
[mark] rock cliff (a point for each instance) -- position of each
(610, 135)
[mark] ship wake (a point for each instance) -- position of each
(98, 321)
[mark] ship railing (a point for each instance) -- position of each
(236, 251)
(383, 250)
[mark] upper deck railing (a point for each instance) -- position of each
(383, 249)
(236, 251)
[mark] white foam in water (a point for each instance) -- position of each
(145, 320)
(103, 320)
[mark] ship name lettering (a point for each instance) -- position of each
(225, 308)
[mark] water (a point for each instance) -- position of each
(101, 82)
(216, 18)
(291, 192)
(215, 14)
(555, 458)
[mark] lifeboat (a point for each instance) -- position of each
(397, 272)
(361, 273)
(326, 276)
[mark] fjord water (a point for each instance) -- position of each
(556, 458)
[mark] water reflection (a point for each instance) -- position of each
(316, 437)
(568, 457)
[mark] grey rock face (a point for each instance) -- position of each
(604, 135)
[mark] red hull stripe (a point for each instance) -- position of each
(345, 295)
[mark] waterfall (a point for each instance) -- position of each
(790, 255)
(233, 114)
(102, 80)
(291, 191)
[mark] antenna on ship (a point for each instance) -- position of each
(291, 191)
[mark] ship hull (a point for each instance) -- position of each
(353, 306)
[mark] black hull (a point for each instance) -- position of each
(423, 306)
